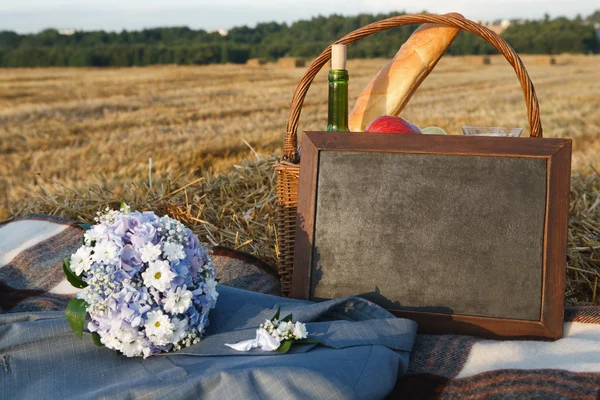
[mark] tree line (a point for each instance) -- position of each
(272, 40)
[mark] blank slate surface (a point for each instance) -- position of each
(464, 235)
(439, 233)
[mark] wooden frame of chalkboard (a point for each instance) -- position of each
(556, 156)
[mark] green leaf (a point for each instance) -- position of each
(276, 316)
(87, 227)
(96, 339)
(285, 346)
(71, 277)
(287, 319)
(75, 313)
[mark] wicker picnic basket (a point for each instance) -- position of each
(288, 168)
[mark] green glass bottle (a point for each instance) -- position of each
(337, 117)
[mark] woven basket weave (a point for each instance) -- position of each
(288, 169)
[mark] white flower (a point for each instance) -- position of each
(283, 328)
(174, 251)
(159, 328)
(106, 252)
(210, 288)
(81, 261)
(95, 233)
(111, 341)
(128, 341)
(132, 343)
(178, 301)
(300, 330)
(179, 329)
(158, 275)
(150, 252)
(268, 325)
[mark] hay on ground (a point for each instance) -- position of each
(478, 60)
(543, 60)
(236, 209)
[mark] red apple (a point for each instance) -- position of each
(389, 124)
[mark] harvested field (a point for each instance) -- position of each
(75, 140)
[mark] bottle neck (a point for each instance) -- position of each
(337, 118)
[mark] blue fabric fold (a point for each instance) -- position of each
(364, 350)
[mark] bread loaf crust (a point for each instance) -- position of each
(391, 89)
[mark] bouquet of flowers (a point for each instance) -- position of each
(148, 284)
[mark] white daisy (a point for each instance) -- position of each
(81, 261)
(158, 275)
(150, 252)
(132, 343)
(174, 251)
(179, 329)
(95, 233)
(178, 301)
(300, 330)
(106, 252)
(159, 328)
(111, 341)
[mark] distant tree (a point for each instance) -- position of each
(272, 40)
(595, 16)
(10, 40)
(560, 35)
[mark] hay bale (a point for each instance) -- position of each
(545, 60)
(540, 59)
(290, 62)
(236, 209)
(255, 62)
(478, 60)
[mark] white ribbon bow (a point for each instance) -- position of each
(263, 340)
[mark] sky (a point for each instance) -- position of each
(27, 16)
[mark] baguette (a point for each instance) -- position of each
(391, 89)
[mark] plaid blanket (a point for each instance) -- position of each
(32, 249)
(464, 367)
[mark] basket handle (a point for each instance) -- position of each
(290, 145)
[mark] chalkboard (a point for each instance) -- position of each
(463, 234)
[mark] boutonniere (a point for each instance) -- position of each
(276, 334)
